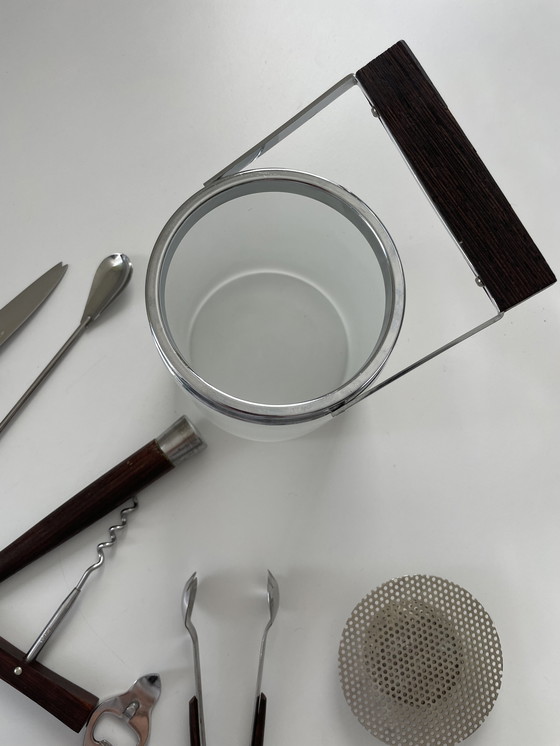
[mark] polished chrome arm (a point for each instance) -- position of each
(286, 129)
(347, 404)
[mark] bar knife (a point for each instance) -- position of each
(24, 305)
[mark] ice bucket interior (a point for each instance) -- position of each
(276, 290)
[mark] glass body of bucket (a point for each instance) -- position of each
(274, 297)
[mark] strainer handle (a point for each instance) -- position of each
(503, 255)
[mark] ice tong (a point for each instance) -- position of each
(196, 714)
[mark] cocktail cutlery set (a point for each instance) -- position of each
(112, 276)
(420, 661)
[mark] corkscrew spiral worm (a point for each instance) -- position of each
(103, 545)
(72, 597)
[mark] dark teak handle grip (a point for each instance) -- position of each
(102, 496)
(458, 183)
(257, 738)
(68, 702)
(194, 722)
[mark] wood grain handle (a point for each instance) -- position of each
(257, 737)
(102, 496)
(68, 702)
(475, 210)
(194, 722)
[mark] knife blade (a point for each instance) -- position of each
(24, 305)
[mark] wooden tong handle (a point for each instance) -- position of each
(68, 702)
(194, 722)
(257, 738)
(102, 496)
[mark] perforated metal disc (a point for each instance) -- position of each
(420, 662)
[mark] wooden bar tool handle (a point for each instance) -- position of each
(68, 702)
(102, 496)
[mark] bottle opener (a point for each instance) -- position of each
(133, 707)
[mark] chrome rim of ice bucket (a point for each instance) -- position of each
(275, 180)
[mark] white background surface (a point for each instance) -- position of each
(113, 113)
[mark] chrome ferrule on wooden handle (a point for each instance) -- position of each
(106, 493)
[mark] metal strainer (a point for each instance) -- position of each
(420, 662)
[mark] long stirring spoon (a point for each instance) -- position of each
(273, 592)
(109, 281)
(196, 713)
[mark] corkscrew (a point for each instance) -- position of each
(62, 611)
(64, 699)
(134, 706)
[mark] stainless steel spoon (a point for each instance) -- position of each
(273, 592)
(196, 712)
(111, 278)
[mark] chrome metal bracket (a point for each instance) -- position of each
(287, 128)
(430, 356)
